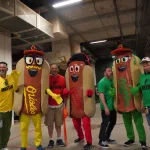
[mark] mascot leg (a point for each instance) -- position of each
(38, 130)
(77, 125)
(138, 119)
(127, 118)
(87, 128)
(24, 122)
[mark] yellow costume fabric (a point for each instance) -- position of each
(24, 122)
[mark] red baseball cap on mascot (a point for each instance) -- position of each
(120, 49)
(79, 57)
(34, 49)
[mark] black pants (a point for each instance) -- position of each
(107, 125)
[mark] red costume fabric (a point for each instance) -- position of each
(87, 128)
(57, 86)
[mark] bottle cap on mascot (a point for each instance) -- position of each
(145, 59)
(34, 49)
(120, 49)
(79, 57)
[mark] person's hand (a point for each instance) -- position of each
(107, 112)
(15, 75)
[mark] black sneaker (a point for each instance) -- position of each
(51, 144)
(111, 141)
(88, 146)
(129, 143)
(104, 145)
(60, 143)
(78, 140)
(143, 145)
(40, 147)
(23, 148)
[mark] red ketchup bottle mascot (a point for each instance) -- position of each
(81, 102)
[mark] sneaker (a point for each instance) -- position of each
(143, 145)
(129, 143)
(40, 147)
(111, 141)
(104, 145)
(60, 143)
(4, 148)
(88, 146)
(78, 140)
(23, 148)
(51, 144)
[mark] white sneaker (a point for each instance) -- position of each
(4, 149)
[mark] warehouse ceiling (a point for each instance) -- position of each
(117, 21)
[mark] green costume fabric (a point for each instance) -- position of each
(105, 86)
(138, 119)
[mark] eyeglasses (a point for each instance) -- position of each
(30, 59)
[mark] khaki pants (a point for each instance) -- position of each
(54, 115)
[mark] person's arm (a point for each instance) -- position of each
(101, 89)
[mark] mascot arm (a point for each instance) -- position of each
(15, 76)
(135, 90)
(56, 97)
(89, 93)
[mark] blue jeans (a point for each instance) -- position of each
(148, 116)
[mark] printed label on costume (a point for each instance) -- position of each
(124, 91)
(1, 123)
(7, 88)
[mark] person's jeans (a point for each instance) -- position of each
(148, 116)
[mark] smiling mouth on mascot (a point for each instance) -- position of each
(74, 78)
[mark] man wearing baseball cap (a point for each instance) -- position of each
(144, 86)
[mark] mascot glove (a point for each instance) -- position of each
(56, 97)
(112, 92)
(65, 92)
(89, 93)
(15, 75)
(134, 90)
(65, 113)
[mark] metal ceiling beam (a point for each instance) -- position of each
(102, 16)
(117, 14)
(106, 27)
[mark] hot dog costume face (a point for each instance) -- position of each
(31, 98)
(80, 78)
(126, 71)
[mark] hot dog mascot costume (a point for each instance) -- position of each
(127, 71)
(81, 103)
(31, 99)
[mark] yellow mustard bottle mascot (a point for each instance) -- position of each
(31, 99)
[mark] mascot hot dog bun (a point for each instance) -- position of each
(126, 72)
(31, 97)
(80, 81)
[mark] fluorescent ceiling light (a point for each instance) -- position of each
(61, 4)
(98, 42)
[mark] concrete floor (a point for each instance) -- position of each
(118, 134)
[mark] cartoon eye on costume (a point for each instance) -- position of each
(77, 68)
(71, 68)
(29, 60)
(124, 59)
(118, 61)
(39, 60)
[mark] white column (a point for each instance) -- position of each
(93, 66)
(6, 55)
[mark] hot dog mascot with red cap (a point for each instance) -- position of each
(31, 99)
(126, 72)
(81, 103)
